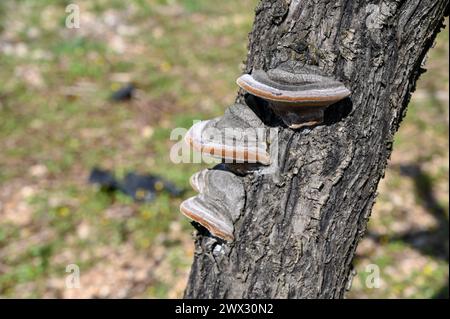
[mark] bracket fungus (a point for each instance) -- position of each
(219, 203)
(238, 136)
(298, 96)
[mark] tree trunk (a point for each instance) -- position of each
(298, 233)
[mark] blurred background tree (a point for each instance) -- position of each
(57, 122)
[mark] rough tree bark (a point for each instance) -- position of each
(297, 235)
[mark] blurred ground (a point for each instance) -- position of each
(56, 122)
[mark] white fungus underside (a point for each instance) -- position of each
(192, 205)
(276, 94)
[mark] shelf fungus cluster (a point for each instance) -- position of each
(299, 97)
(241, 140)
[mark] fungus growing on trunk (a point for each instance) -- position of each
(237, 137)
(298, 95)
(219, 203)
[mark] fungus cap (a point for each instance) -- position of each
(299, 97)
(238, 136)
(219, 204)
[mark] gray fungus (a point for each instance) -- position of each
(298, 95)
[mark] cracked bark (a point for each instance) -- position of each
(298, 234)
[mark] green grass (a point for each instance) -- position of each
(70, 134)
